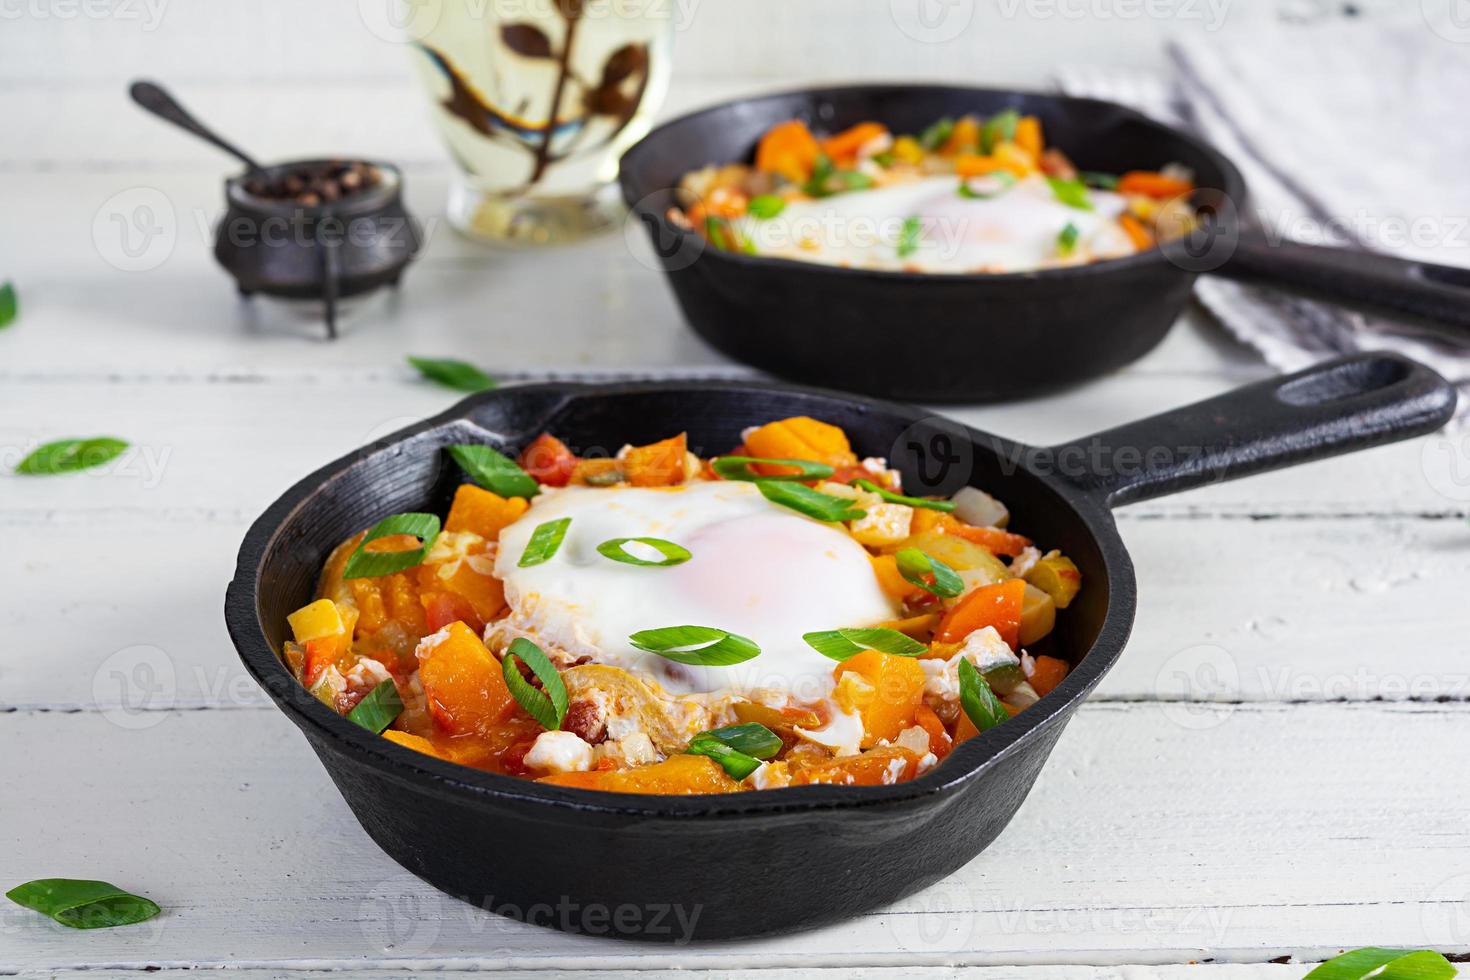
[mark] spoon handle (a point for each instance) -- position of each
(157, 101)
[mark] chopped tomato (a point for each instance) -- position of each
(548, 460)
(991, 538)
(320, 654)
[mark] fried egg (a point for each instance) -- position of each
(757, 569)
(1015, 229)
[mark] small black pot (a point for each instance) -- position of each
(326, 251)
(750, 864)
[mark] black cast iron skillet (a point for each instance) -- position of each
(980, 337)
(756, 863)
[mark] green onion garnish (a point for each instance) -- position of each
(70, 455)
(936, 134)
(914, 565)
(740, 468)
(766, 206)
(1391, 964)
(544, 542)
(813, 503)
(897, 498)
(751, 738)
(733, 761)
(371, 564)
(1002, 181)
(885, 159)
(83, 904)
(698, 646)
(845, 643)
(673, 554)
(8, 304)
(453, 374)
(978, 700)
(377, 711)
(1101, 181)
(1000, 128)
(726, 238)
(495, 471)
(1067, 239)
(548, 705)
(908, 236)
(1072, 193)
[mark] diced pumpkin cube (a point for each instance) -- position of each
(997, 605)
(844, 146)
(317, 619)
(484, 513)
(1028, 137)
(882, 766)
(678, 775)
(963, 138)
(443, 608)
(415, 742)
(471, 579)
(800, 437)
(463, 684)
(660, 464)
(891, 580)
(897, 689)
(788, 149)
(1047, 673)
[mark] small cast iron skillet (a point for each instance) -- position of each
(934, 337)
(756, 863)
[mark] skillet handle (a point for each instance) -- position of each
(1436, 297)
(1335, 407)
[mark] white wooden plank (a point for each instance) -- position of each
(1142, 842)
(1222, 971)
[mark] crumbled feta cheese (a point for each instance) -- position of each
(769, 775)
(895, 771)
(559, 752)
(330, 685)
(1028, 664)
(843, 734)
(883, 524)
(883, 476)
(368, 673)
(1021, 564)
(927, 761)
(984, 648)
(429, 643)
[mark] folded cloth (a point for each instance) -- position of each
(1350, 134)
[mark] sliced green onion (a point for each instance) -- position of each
(844, 643)
(885, 159)
(83, 904)
(548, 705)
(1101, 181)
(70, 455)
(1004, 180)
(1072, 193)
(978, 700)
(766, 206)
(377, 711)
(751, 738)
(741, 468)
(673, 554)
(370, 564)
(725, 238)
(698, 646)
(544, 541)
(915, 566)
(1067, 239)
(897, 498)
(933, 137)
(908, 236)
(453, 374)
(9, 305)
(1385, 964)
(733, 761)
(495, 471)
(813, 503)
(999, 128)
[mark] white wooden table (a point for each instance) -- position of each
(1276, 767)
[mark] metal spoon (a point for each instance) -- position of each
(152, 97)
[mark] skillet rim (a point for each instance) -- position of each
(633, 196)
(246, 628)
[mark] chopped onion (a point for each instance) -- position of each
(978, 508)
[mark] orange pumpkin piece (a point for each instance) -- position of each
(963, 138)
(1028, 137)
(964, 729)
(1140, 236)
(415, 742)
(548, 460)
(891, 580)
(993, 539)
(800, 437)
(843, 147)
(659, 464)
(997, 605)
(882, 766)
(788, 149)
(465, 690)
(897, 689)
(443, 608)
(939, 741)
(1151, 183)
(481, 512)
(678, 775)
(1047, 674)
(471, 579)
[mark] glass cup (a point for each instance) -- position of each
(495, 68)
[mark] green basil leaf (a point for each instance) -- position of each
(545, 540)
(751, 738)
(908, 236)
(844, 643)
(548, 705)
(813, 503)
(916, 566)
(1385, 964)
(1067, 239)
(495, 471)
(1072, 193)
(9, 305)
(453, 374)
(999, 128)
(763, 207)
(978, 700)
(897, 498)
(377, 711)
(83, 904)
(673, 554)
(736, 763)
(998, 182)
(698, 646)
(740, 468)
(70, 455)
(370, 564)
(935, 135)
(1092, 178)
